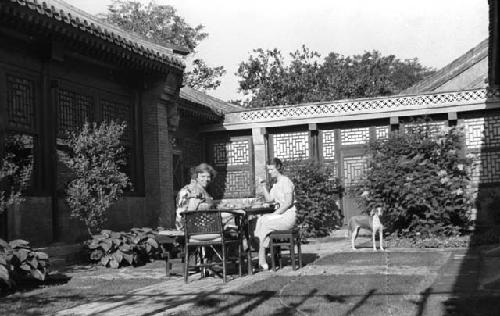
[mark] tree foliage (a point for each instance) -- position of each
(95, 159)
(268, 80)
(15, 172)
(162, 25)
(422, 181)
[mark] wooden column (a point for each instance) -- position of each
(260, 152)
(314, 142)
(394, 121)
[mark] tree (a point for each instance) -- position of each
(267, 80)
(95, 160)
(161, 25)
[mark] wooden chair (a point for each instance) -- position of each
(285, 240)
(204, 228)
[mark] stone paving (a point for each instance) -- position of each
(173, 296)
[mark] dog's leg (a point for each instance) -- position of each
(381, 238)
(354, 233)
(374, 232)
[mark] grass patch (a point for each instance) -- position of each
(379, 258)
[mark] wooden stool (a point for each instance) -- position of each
(288, 239)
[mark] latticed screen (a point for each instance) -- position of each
(482, 140)
(72, 111)
(431, 127)
(354, 168)
(355, 136)
(291, 145)
(234, 164)
(382, 132)
(20, 103)
(118, 112)
(328, 145)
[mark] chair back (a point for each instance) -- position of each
(203, 222)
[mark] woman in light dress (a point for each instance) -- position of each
(283, 217)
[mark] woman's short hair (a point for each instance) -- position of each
(204, 167)
(277, 163)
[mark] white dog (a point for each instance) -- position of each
(371, 222)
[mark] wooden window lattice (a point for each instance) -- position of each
(354, 168)
(118, 112)
(355, 136)
(232, 153)
(20, 103)
(328, 144)
(291, 145)
(73, 110)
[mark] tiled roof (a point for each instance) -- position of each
(61, 11)
(204, 100)
(455, 69)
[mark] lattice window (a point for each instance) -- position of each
(233, 153)
(433, 128)
(354, 168)
(233, 183)
(20, 103)
(328, 144)
(382, 132)
(482, 132)
(118, 112)
(73, 110)
(291, 145)
(355, 136)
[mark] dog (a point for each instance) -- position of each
(371, 222)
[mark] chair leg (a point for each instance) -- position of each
(186, 263)
(271, 247)
(249, 262)
(292, 252)
(224, 271)
(240, 257)
(300, 253)
(167, 263)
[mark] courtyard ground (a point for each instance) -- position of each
(335, 281)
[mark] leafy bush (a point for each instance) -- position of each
(18, 261)
(421, 179)
(95, 160)
(316, 195)
(115, 249)
(15, 173)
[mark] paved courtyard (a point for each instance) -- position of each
(336, 281)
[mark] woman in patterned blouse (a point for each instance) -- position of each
(194, 195)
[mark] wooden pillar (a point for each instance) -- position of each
(259, 136)
(314, 142)
(394, 121)
(452, 119)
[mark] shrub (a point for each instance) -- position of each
(421, 179)
(316, 195)
(115, 249)
(18, 261)
(95, 159)
(15, 173)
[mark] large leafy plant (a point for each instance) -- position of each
(421, 178)
(317, 194)
(19, 261)
(95, 159)
(115, 249)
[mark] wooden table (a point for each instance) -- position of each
(253, 211)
